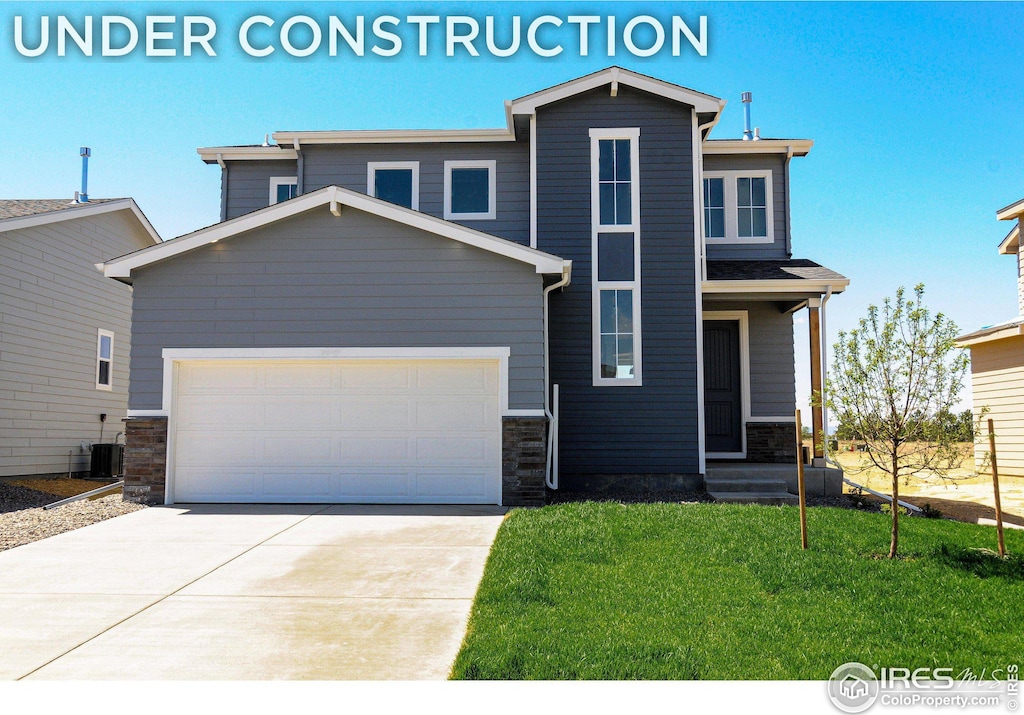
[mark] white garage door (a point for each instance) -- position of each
(385, 431)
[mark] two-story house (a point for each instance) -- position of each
(997, 365)
(597, 295)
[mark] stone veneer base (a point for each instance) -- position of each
(771, 442)
(145, 460)
(523, 460)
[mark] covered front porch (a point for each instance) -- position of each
(749, 370)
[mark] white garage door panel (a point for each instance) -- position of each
(394, 431)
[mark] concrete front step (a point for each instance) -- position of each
(819, 481)
(766, 498)
(745, 484)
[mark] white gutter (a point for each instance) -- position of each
(550, 473)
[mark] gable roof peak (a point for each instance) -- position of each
(614, 76)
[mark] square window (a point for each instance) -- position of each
(615, 257)
(283, 188)
(469, 190)
(395, 182)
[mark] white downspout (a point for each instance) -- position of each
(551, 469)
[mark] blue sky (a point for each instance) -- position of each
(915, 110)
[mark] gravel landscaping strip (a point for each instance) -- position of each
(23, 520)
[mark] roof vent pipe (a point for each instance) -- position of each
(85, 152)
(746, 98)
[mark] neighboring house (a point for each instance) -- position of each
(384, 316)
(64, 330)
(997, 365)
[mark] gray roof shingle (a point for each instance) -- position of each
(794, 269)
(18, 208)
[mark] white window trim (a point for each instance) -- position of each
(492, 186)
(100, 334)
(371, 184)
(276, 181)
(740, 316)
(633, 134)
(731, 207)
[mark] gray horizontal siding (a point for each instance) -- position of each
(248, 185)
(52, 301)
(355, 281)
(772, 359)
(776, 163)
(345, 165)
(623, 430)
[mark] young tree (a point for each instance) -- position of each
(892, 377)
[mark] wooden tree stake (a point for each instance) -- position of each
(800, 480)
(995, 486)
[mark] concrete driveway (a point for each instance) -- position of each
(246, 593)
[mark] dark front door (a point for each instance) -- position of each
(723, 413)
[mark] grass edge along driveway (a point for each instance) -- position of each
(602, 590)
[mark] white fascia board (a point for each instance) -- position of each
(82, 211)
(775, 286)
(799, 147)
(333, 195)
(397, 136)
(701, 102)
(214, 154)
(1011, 212)
(1011, 244)
(987, 335)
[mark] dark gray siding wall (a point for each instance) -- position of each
(355, 281)
(345, 165)
(52, 302)
(623, 430)
(248, 184)
(772, 365)
(779, 249)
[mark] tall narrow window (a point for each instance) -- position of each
(616, 186)
(104, 359)
(395, 181)
(615, 209)
(283, 188)
(714, 208)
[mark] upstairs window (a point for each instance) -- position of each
(738, 207)
(104, 359)
(751, 207)
(615, 182)
(615, 278)
(469, 190)
(395, 181)
(283, 188)
(714, 208)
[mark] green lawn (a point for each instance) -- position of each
(681, 591)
